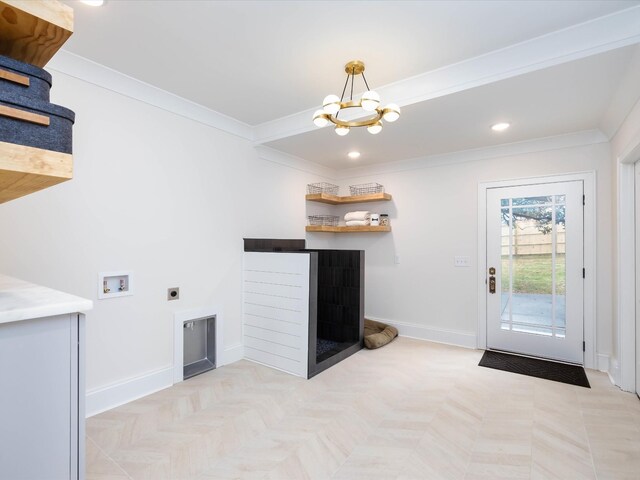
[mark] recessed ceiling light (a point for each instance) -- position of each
(353, 155)
(93, 3)
(500, 127)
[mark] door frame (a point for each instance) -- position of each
(589, 297)
(623, 368)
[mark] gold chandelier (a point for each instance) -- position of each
(370, 102)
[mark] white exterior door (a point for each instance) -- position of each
(535, 270)
(637, 199)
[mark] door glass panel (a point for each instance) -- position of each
(505, 265)
(560, 261)
(533, 265)
(530, 201)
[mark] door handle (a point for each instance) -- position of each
(492, 280)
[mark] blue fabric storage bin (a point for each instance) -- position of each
(56, 136)
(39, 79)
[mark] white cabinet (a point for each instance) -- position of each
(41, 409)
(41, 386)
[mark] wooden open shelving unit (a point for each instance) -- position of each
(345, 229)
(24, 170)
(32, 31)
(336, 200)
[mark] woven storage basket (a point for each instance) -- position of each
(323, 187)
(365, 189)
(327, 220)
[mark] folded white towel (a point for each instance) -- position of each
(357, 223)
(357, 216)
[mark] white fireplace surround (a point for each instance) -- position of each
(178, 340)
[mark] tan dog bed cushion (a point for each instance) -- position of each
(377, 334)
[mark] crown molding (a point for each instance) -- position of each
(276, 156)
(599, 35)
(577, 139)
(618, 109)
(94, 73)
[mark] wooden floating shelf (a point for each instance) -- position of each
(33, 31)
(24, 170)
(337, 200)
(345, 229)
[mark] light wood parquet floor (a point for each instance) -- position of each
(411, 410)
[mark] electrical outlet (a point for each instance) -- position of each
(461, 261)
(173, 293)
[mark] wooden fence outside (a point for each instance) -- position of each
(529, 240)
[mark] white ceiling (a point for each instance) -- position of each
(567, 98)
(262, 62)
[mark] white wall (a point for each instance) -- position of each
(276, 205)
(624, 147)
(627, 134)
(149, 194)
(434, 218)
(159, 194)
(171, 199)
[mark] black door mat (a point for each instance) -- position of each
(535, 367)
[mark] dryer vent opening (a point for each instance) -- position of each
(199, 341)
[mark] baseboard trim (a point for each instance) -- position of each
(448, 337)
(233, 353)
(614, 371)
(101, 399)
(603, 362)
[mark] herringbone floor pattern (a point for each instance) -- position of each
(411, 410)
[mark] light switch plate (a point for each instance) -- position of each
(461, 261)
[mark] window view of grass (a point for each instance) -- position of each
(532, 274)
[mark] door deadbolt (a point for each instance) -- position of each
(492, 280)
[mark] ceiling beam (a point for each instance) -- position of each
(599, 35)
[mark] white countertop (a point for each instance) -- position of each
(20, 300)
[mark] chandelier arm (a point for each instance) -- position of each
(352, 77)
(365, 81)
(355, 123)
(344, 89)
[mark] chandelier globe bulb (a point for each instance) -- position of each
(391, 113)
(375, 128)
(342, 130)
(370, 100)
(331, 104)
(320, 118)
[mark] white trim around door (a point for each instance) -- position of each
(624, 374)
(589, 181)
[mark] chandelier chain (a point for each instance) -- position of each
(352, 80)
(344, 89)
(365, 81)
